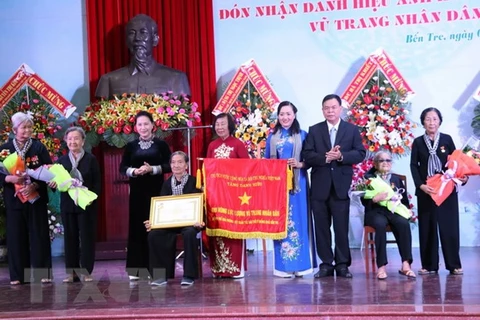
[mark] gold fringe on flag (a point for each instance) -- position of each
(199, 174)
(289, 178)
(199, 179)
(245, 235)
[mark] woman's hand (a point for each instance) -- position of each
(380, 196)
(292, 162)
(147, 224)
(52, 184)
(427, 189)
(14, 179)
(199, 225)
(28, 189)
(140, 171)
(146, 168)
(463, 179)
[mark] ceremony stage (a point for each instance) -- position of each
(258, 295)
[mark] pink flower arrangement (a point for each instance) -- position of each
(113, 120)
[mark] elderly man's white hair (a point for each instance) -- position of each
(19, 118)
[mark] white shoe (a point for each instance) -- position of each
(133, 278)
(187, 281)
(159, 282)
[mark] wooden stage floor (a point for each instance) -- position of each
(258, 295)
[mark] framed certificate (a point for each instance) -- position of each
(176, 211)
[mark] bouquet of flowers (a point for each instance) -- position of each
(46, 119)
(359, 171)
(113, 121)
(464, 162)
(254, 119)
(393, 203)
(15, 165)
(381, 113)
(80, 195)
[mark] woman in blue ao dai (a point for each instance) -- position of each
(295, 255)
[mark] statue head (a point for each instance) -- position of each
(141, 36)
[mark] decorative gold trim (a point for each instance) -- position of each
(245, 235)
(176, 211)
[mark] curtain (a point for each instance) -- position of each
(185, 28)
(186, 43)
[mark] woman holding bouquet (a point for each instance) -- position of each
(27, 220)
(226, 255)
(80, 225)
(379, 217)
(144, 161)
(429, 155)
(295, 255)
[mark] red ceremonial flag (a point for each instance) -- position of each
(246, 198)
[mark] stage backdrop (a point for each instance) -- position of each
(308, 49)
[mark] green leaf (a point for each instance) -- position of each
(118, 141)
(128, 137)
(92, 139)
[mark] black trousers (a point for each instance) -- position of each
(80, 234)
(28, 243)
(379, 218)
(434, 220)
(162, 246)
(324, 212)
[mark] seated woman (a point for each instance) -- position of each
(162, 242)
(379, 217)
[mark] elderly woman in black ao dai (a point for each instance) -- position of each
(27, 222)
(80, 225)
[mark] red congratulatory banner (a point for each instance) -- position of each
(246, 198)
(26, 76)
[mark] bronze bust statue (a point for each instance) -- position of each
(143, 74)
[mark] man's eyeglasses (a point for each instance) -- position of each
(384, 160)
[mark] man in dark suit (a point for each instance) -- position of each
(143, 74)
(332, 171)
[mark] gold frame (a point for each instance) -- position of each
(164, 211)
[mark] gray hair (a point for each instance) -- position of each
(19, 118)
(77, 129)
(380, 153)
(179, 153)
